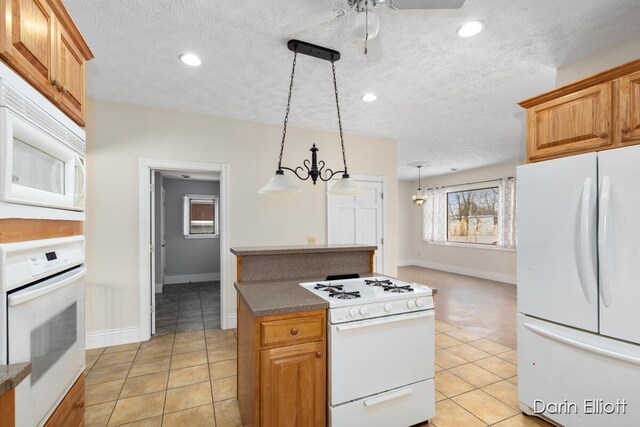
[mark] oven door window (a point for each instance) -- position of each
(36, 169)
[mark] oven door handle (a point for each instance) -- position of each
(388, 396)
(27, 296)
(384, 321)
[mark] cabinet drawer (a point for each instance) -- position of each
(297, 329)
(70, 412)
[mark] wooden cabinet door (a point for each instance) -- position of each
(629, 129)
(575, 123)
(70, 76)
(293, 386)
(27, 40)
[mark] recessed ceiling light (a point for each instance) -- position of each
(470, 29)
(190, 59)
(369, 97)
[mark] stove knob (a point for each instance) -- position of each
(352, 312)
(419, 303)
(410, 304)
(387, 307)
(364, 311)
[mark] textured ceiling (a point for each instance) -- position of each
(448, 101)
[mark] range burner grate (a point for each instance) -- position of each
(397, 289)
(344, 294)
(378, 282)
(328, 288)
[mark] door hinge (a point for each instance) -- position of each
(152, 248)
(151, 188)
(151, 308)
(382, 196)
(382, 241)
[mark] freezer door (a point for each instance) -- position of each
(619, 243)
(577, 378)
(556, 224)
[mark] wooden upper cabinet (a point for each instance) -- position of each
(598, 113)
(40, 41)
(293, 386)
(573, 123)
(70, 76)
(629, 129)
(27, 41)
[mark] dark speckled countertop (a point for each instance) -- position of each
(12, 375)
(269, 297)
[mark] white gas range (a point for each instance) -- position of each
(381, 351)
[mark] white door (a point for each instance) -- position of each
(619, 243)
(359, 219)
(556, 221)
(152, 251)
(162, 234)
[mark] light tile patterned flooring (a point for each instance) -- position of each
(183, 379)
(476, 381)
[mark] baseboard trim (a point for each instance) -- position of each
(474, 272)
(110, 337)
(186, 278)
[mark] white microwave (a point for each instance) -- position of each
(42, 162)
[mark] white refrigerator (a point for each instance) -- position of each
(579, 288)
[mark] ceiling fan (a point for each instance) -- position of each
(366, 23)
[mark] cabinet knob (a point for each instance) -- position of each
(318, 354)
(294, 331)
(604, 135)
(57, 84)
(625, 129)
(80, 404)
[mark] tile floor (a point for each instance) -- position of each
(476, 381)
(183, 379)
(189, 379)
(188, 307)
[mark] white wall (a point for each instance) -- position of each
(198, 258)
(118, 135)
(490, 263)
(601, 61)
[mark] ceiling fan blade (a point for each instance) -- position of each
(374, 49)
(425, 4)
(312, 21)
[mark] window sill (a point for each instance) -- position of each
(202, 236)
(470, 245)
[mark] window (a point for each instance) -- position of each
(200, 217)
(481, 214)
(472, 216)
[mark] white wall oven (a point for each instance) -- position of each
(42, 159)
(43, 319)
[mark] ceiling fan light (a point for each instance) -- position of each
(279, 183)
(360, 25)
(345, 187)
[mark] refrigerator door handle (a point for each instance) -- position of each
(582, 345)
(586, 245)
(603, 242)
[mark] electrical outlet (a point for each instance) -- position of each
(311, 240)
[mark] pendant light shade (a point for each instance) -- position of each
(345, 187)
(419, 198)
(279, 183)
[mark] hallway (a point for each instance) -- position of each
(188, 307)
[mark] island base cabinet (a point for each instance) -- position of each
(293, 386)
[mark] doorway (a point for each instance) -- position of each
(183, 247)
(360, 219)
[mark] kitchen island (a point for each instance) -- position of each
(10, 377)
(282, 337)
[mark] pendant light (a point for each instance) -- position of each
(419, 198)
(281, 183)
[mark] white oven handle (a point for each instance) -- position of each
(388, 396)
(29, 295)
(384, 320)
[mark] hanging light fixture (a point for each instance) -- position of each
(419, 198)
(281, 183)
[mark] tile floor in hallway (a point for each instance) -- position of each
(188, 307)
(189, 379)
